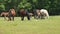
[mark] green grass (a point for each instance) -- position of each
(44, 26)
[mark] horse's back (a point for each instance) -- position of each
(43, 10)
(22, 12)
(4, 13)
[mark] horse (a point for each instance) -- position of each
(5, 14)
(12, 13)
(23, 13)
(44, 14)
(37, 13)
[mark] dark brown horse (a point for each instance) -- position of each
(23, 13)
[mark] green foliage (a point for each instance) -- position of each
(28, 5)
(2, 6)
(51, 5)
(24, 5)
(21, 5)
(34, 1)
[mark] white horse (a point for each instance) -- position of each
(44, 13)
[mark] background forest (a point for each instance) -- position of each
(53, 6)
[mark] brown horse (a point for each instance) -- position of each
(23, 13)
(5, 14)
(12, 13)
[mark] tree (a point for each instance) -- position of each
(24, 4)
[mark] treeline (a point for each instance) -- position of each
(53, 6)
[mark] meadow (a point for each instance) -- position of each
(33, 26)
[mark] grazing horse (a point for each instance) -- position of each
(44, 13)
(5, 14)
(37, 13)
(12, 13)
(23, 13)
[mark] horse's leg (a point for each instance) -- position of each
(9, 18)
(5, 17)
(13, 18)
(46, 16)
(28, 17)
(39, 16)
(22, 18)
(35, 15)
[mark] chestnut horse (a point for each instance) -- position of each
(5, 14)
(9, 14)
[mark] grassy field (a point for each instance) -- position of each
(44, 26)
